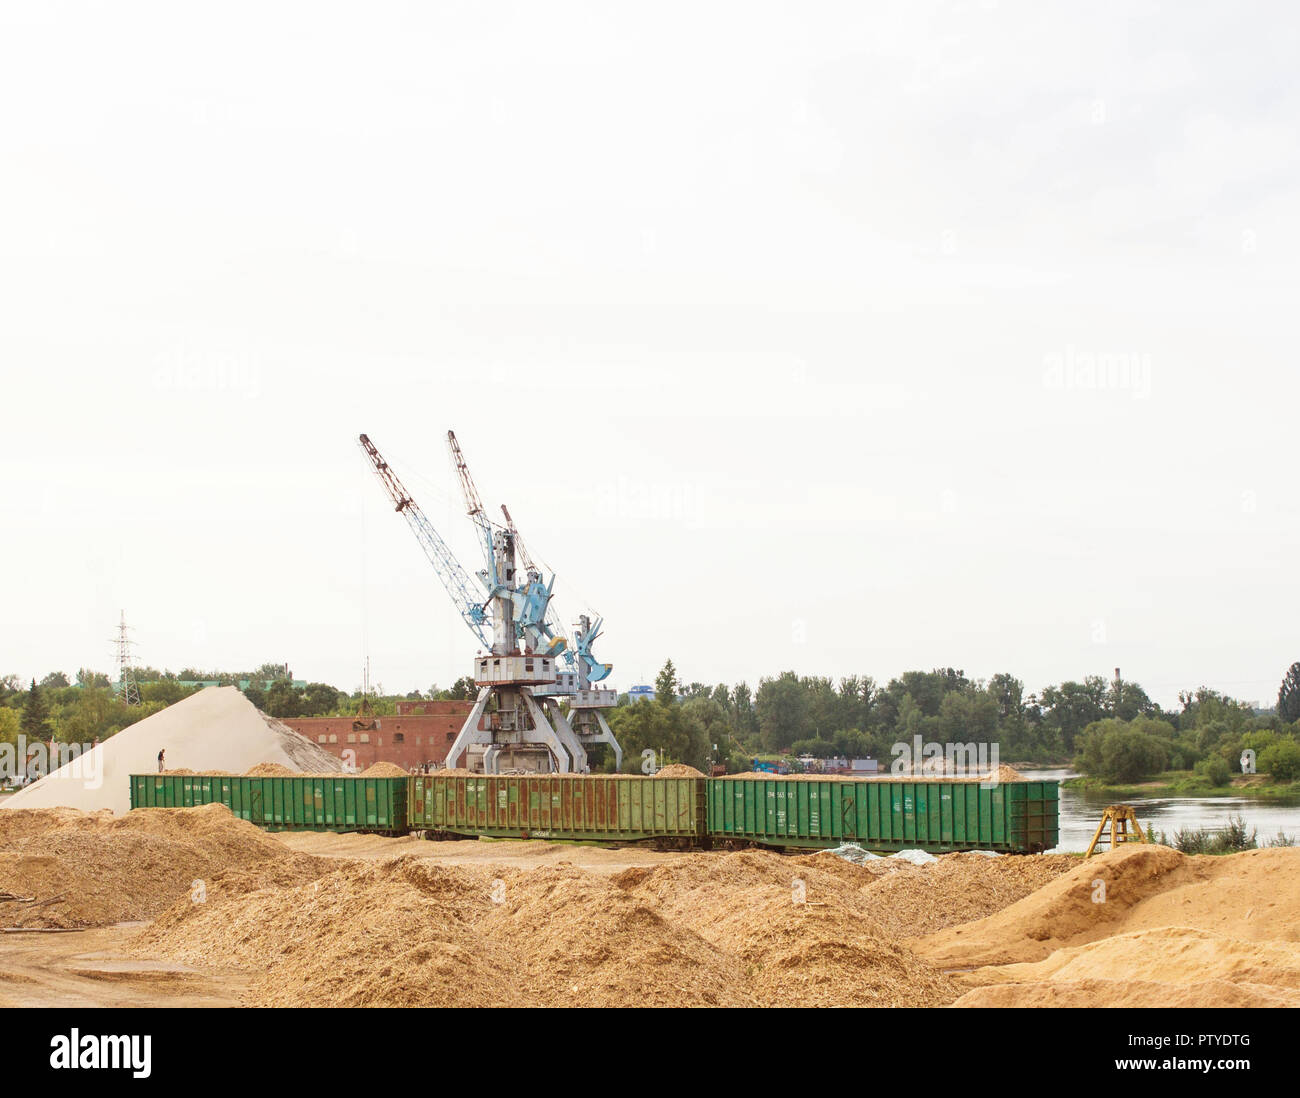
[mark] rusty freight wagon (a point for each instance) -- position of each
(599, 808)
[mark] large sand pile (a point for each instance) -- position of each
(704, 930)
(78, 869)
(825, 950)
(407, 933)
(1163, 967)
(907, 900)
(1220, 994)
(217, 729)
(1254, 896)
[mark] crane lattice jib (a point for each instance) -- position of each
(454, 578)
(473, 505)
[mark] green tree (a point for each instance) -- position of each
(666, 684)
(1072, 706)
(89, 720)
(669, 728)
(1281, 761)
(1288, 696)
(462, 689)
(744, 719)
(10, 724)
(1215, 770)
(783, 711)
(1127, 700)
(283, 700)
(1125, 751)
(35, 723)
(254, 693)
(55, 680)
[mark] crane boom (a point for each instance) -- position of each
(473, 505)
(454, 578)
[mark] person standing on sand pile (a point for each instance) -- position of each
(160, 760)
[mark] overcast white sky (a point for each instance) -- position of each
(772, 324)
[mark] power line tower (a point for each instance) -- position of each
(127, 688)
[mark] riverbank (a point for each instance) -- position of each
(1186, 783)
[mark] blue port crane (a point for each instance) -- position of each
(537, 628)
(515, 720)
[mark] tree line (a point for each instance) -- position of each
(1109, 728)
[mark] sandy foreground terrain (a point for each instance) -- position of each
(194, 907)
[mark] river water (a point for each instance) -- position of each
(1080, 813)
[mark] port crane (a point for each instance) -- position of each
(586, 701)
(514, 719)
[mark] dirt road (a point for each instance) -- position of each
(91, 968)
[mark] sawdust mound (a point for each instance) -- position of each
(37, 821)
(383, 770)
(1254, 896)
(1135, 993)
(906, 900)
(395, 933)
(269, 770)
(585, 941)
(822, 951)
(701, 931)
(100, 869)
(678, 770)
(407, 933)
(1169, 955)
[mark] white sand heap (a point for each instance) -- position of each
(216, 729)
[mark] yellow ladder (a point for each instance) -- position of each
(1120, 817)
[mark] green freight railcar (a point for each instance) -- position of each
(1018, 817)
(597, 808)
(305, 802)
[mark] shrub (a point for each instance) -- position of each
(1234, 837)
(1281, 761)
(1214, 770)
(1231, 839)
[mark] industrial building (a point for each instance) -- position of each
(419, 734)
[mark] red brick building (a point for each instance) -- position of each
(419, 733)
